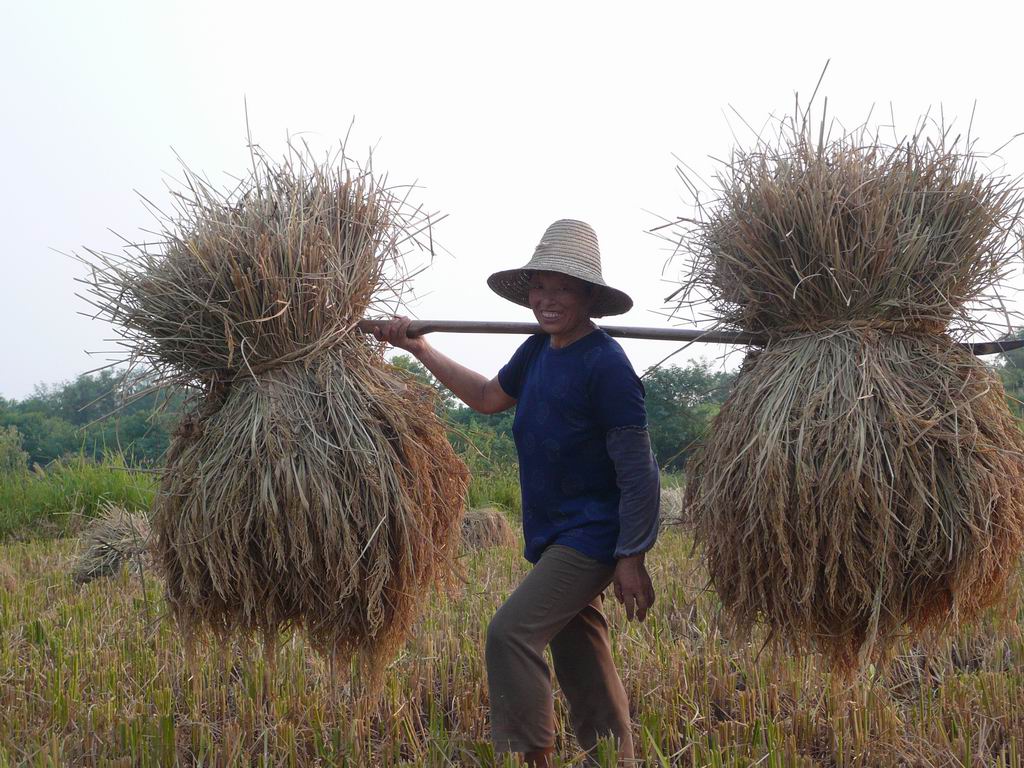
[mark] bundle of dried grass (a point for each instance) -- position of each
(485, 528)
(115, 539)
(865, 474)
(312, 485)
(673, 512)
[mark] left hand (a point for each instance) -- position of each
(633, 586)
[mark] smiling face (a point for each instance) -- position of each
(561, 305)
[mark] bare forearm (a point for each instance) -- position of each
(474, 390)
(468, 385)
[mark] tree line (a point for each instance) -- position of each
(94, 415)
(103, 413)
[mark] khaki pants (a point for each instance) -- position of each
(558, 603)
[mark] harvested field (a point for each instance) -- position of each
(89, 676)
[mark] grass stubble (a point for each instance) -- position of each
(93, 675)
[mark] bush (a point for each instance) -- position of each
(12, 458)
(57, 500)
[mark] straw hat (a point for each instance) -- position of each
(568, 247)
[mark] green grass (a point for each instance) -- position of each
(56, 501)
(673, 480)
(500, 488)
(98, 676)
(496, 489)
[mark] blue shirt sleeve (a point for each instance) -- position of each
(513, 373)
(616, 391)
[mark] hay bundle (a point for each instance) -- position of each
(673, 512)
(311, 485)
(865, 474)
(485, 528)
(115, 539)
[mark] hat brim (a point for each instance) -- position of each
(514, 285)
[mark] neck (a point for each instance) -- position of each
(573, 334)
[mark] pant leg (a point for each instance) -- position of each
(562, 583)
(598, 705)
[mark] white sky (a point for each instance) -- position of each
(511, 115)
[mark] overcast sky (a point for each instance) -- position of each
(510, 115)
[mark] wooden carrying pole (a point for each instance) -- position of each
(422, 327)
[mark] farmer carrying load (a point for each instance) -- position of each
(590, 491)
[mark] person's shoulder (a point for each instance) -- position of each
(606, 346)
(528, 351)
(536, 340)
(514, 372)
(606, 353)
(611, 344)
(533, 344)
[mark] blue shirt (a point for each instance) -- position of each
(567, 401)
